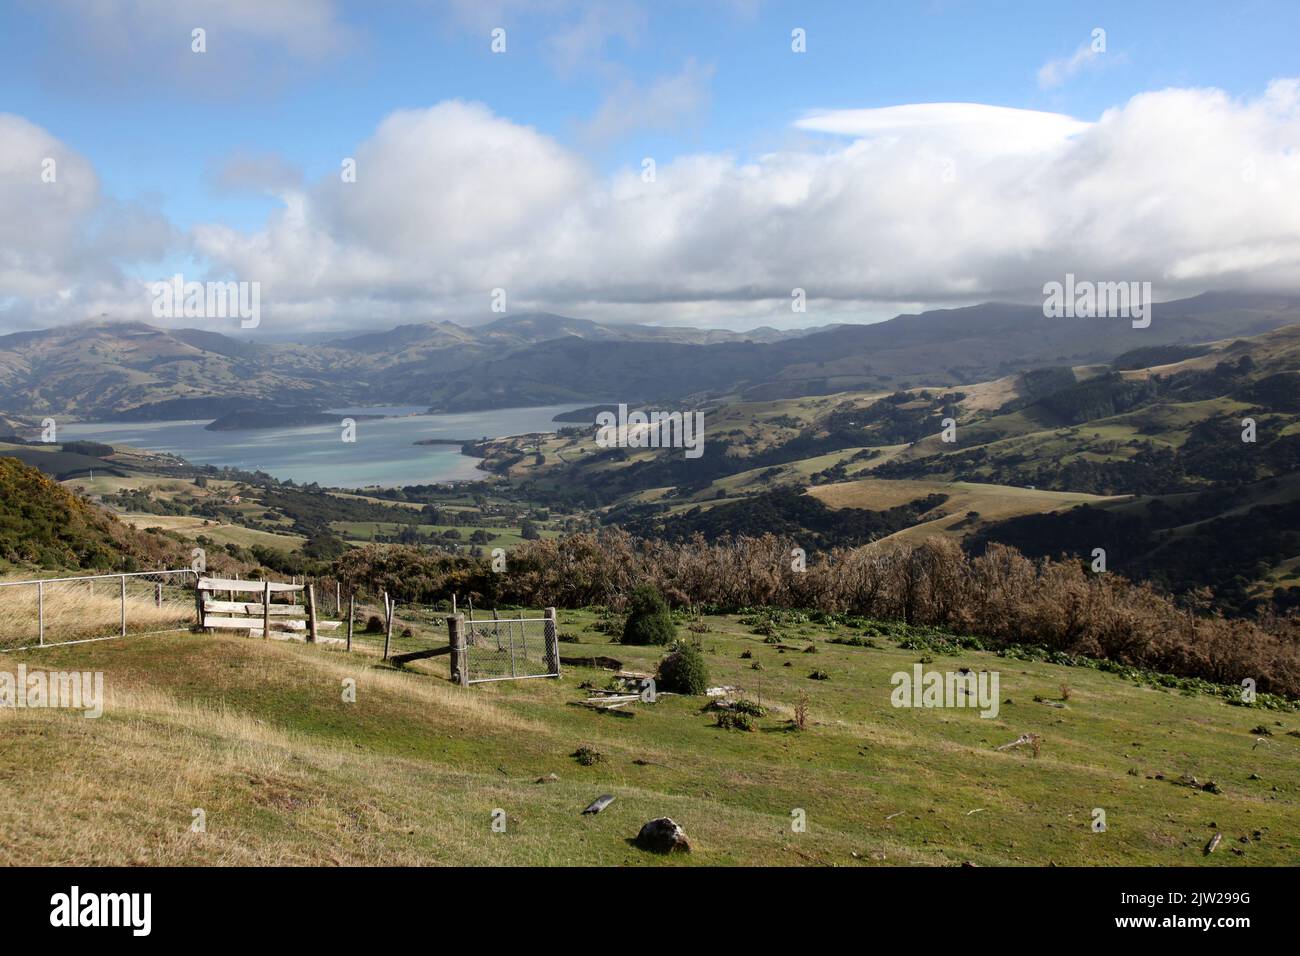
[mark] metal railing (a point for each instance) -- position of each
(53, 612)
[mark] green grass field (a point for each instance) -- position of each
(361, 531)
(257, 735)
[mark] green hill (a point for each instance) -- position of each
(43, 525)
(256, 734)
(1026, 449)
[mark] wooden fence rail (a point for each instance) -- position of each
(263, 618)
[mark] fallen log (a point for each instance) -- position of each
(603, 710)
(400, 659)
(1031, 740)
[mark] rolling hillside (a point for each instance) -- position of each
(115, 370)
(1147, 461)
(44, 526)
(256, 735)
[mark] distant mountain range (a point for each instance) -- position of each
(134, 371)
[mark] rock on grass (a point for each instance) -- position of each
(662, 835)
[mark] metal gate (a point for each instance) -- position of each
(511, 649)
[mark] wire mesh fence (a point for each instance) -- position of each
(416, 627)
(52, 611)
(509, 649)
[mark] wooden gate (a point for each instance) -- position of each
(263, 616)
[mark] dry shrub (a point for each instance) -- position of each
(1000, 596)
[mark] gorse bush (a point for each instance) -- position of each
(44, 525)
(648, 621)
(683, 671)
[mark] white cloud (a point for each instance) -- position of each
(40, 222)
(924, 203)
(61, 240)
(920, 205)
(1055, 72)
(973, 127)
(667, 103)
(583, 44)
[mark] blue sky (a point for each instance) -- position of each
(608, 83)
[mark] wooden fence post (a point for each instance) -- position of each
(388, 629)
(352, 605)
(552, 630)
(198, 607)
(157, 594)
(311, 614)
(266, 610)
(123, 592)
(456, 635)
(338, 598)
(40, 612)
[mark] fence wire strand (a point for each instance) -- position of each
(54, 611)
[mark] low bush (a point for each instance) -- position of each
(648, 621)
(683, 671)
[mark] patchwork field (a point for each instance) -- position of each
(257, 735)
(989, 502)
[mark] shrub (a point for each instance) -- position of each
(854, 641)
(683, 671)
(588, 755)
(820, 675)
(648, 621)
(375, 624)
(734, 720)
(801, 711)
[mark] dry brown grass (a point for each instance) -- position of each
(73, 611)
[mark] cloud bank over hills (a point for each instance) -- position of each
(871, 212)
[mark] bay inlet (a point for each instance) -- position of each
(385, 452)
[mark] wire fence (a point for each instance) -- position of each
(49, 612)
(510, 649)
(52, 612)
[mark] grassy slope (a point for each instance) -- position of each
(992, 502)
(256, 734)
